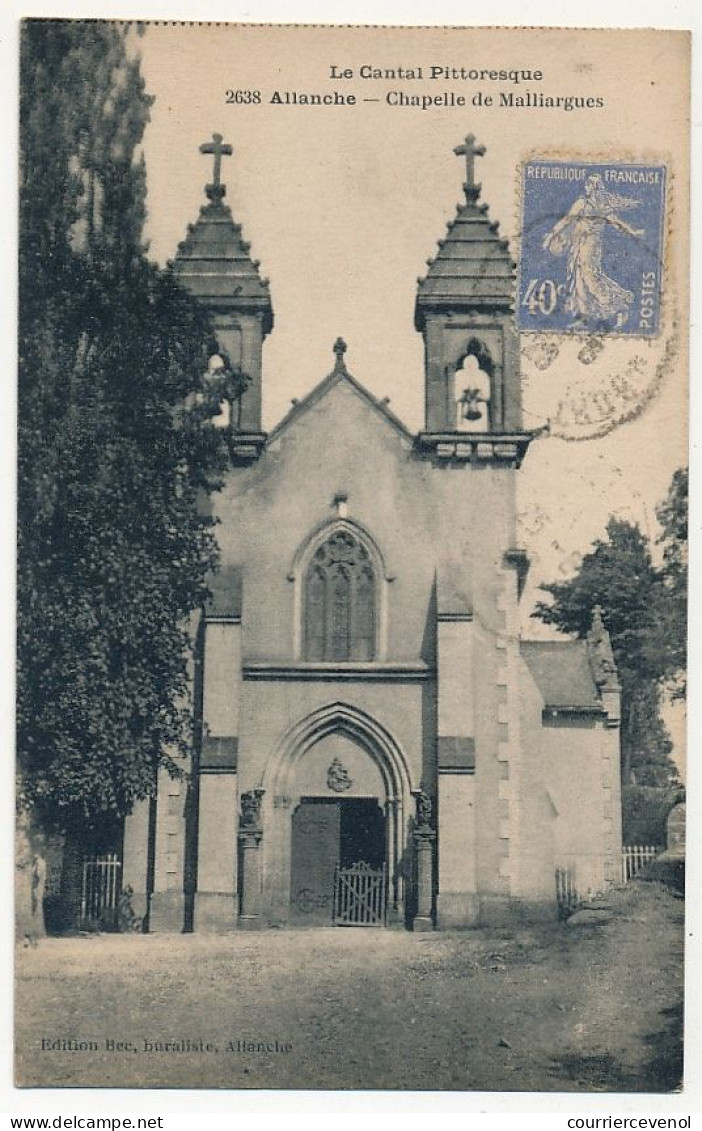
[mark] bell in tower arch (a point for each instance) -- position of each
(473, 397)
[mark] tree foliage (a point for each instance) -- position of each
(619, 575)
(645, 812)
(115, 450)
(672, 516)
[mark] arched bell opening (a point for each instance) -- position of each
(473, 389)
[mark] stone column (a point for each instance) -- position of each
(424, 837)
(250, 837)
(395, 892)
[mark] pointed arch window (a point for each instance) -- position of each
(340, 601)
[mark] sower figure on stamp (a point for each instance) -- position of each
(595, 300)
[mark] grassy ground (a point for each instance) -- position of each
(547, 1007)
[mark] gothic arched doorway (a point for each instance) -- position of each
(341, 799)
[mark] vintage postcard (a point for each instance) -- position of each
(352, 557)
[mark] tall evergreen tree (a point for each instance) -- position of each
(619, 575)
(116, 448)
(672, 515)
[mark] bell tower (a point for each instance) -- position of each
(464, 310)
(214, 264)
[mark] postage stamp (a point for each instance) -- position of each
(591, 252)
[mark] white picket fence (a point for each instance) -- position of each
(635, 857)
(102, 884)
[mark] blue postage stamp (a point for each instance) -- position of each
(592, 248)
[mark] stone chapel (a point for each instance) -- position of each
(374, 743)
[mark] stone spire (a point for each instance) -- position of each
(464, 308)
(213, 260)
(603, 668)
(473, 267)
(601, 656)
(214, 263)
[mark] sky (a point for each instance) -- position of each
(343, 206)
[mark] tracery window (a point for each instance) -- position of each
(340, 612)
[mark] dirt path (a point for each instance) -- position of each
(535, 1008)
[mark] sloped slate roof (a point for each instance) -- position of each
(561, 672)
(213, 262)
(473, 267)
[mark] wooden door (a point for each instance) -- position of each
(315, 854)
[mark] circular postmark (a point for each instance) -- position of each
(558, 528)
(582, 389)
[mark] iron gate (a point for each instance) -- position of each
(359, 896)
(102, 883)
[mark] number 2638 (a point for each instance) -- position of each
(243, 97)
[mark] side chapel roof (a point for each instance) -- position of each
(574, 673)
(562, 673)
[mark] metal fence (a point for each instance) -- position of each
(102, 884)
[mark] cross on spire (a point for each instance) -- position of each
(470, 151)
(216, 189)
(339, 351)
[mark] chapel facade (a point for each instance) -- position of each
(374, 744)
